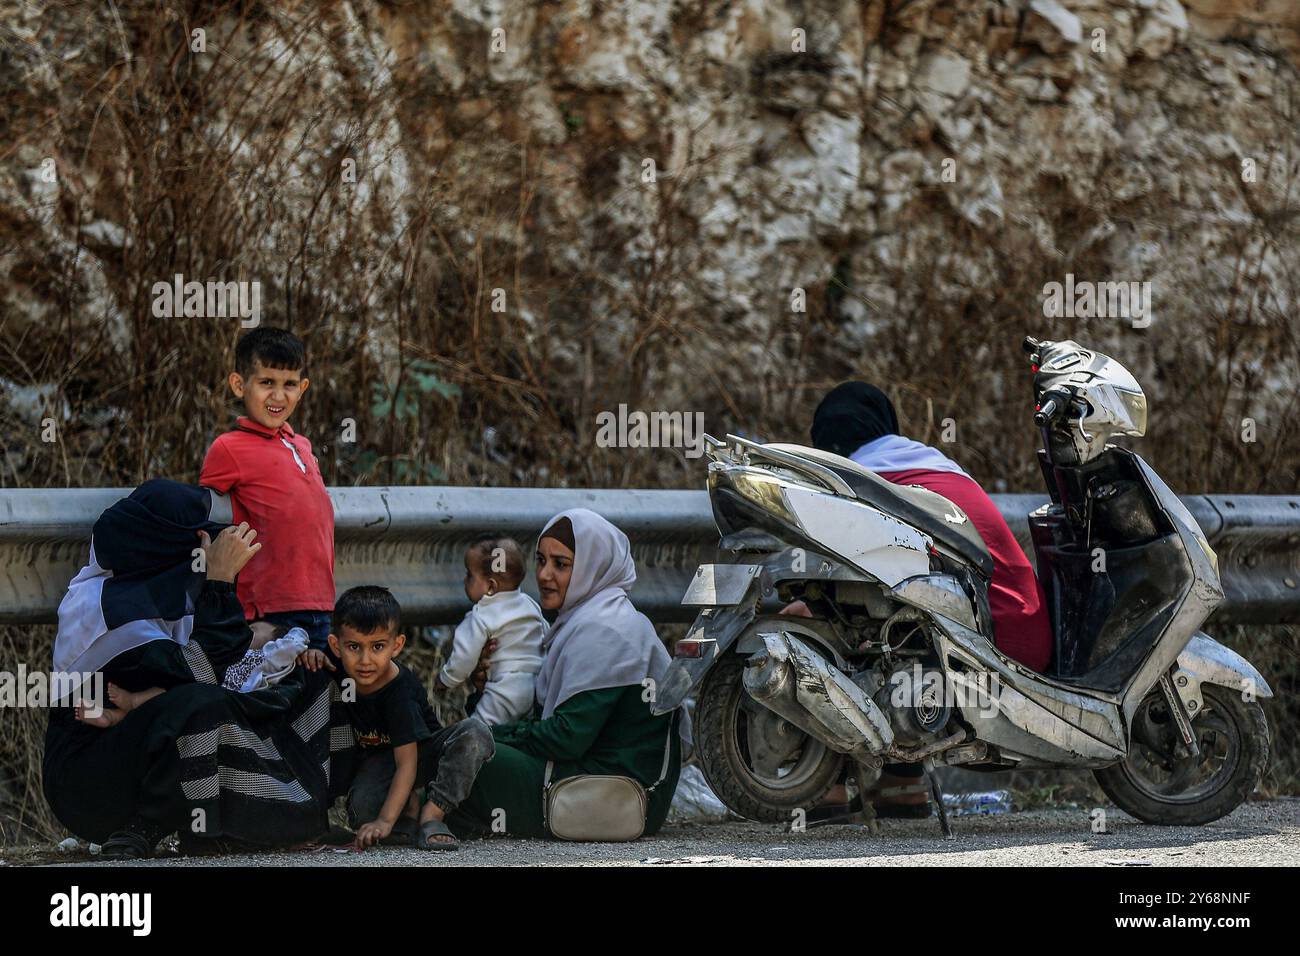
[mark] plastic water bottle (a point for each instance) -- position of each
(987, 803)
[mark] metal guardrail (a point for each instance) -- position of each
(412, 540)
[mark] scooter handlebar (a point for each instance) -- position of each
(1053, 406)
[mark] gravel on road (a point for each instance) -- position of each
(1256, 834)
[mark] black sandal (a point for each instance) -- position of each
(127, 845)
(430, 828)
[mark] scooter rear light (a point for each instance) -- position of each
(695, 648)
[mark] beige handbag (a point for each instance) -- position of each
(599, 808)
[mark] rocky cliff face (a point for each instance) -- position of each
(722, 206)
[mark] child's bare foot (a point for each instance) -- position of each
(123, 700)
(105, 718)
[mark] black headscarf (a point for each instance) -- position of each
(147, 540)
(851, 415)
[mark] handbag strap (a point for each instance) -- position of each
(668, 751)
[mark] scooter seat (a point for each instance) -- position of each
(925, 510)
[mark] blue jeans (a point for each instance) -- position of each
(315, 623)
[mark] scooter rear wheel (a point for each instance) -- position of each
(1158, 782)
(723, 712)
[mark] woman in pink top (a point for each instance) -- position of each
(858, 421)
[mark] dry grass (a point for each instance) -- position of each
(23, 810)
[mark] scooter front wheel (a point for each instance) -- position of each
(1160, 782)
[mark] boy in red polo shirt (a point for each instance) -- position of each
(275, 484)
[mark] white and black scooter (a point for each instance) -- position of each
(898, 664)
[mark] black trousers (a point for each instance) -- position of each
(448, 763)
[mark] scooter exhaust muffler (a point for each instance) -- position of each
(791, 680)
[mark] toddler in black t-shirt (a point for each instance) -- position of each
(402, 745)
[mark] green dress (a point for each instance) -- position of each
(610, 731)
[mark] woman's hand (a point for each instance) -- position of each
(232, 549)
(480, 675)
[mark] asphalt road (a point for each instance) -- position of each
(1258, 834)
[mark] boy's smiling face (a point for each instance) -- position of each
(269, 394)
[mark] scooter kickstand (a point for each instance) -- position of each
(936, 793)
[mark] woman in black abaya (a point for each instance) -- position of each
(209, 763)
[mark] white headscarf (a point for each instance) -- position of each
(85, 643)
(599, 640)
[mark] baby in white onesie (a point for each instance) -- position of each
(494, 569)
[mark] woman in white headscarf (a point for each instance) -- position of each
(594, 692)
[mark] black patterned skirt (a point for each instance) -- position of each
(261, 768)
